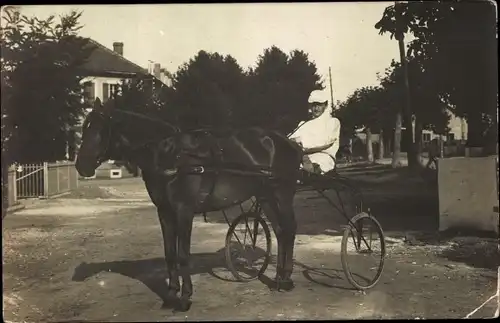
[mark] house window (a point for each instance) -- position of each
(426, 137)
(88, 92)
(113, 90)
(450, 137)
(109, 91)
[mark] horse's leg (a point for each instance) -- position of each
(286, 219)
(168, 225)
(270, 209)
(185, 217)
(282, 219)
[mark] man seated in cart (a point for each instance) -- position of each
(318, 136)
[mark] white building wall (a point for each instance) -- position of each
(99, 81)
(458, 126)
(98, 88)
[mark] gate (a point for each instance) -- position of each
(44, 180)
(30, 181)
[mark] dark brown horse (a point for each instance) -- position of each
(195, 172)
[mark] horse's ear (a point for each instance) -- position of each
(110, 104)
(97, 104)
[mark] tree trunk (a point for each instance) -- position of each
(412, 157)
(418, 139)
(387, 143)
(396, 151)
(475, 129)
(492, 138)
(369, 145)
(381, 144)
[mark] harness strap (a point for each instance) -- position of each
(208, 183)
(199, 170)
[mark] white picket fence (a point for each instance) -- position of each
(42, 180)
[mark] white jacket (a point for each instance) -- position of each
(318, 132)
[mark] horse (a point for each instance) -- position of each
(186, 173)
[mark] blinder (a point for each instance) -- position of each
(104, 118)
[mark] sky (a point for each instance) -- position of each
(340, 35)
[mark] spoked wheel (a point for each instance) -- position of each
(349, 197)
(363, 251)
(248, 246)
(356, 196)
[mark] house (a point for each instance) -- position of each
(105, 69)
(457, 132)
(160, 73)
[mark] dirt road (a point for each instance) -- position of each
(97, 255)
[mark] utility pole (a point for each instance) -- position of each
(331, 87)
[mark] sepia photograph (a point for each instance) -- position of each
(250, 161)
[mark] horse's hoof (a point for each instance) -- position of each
(171, 300)
(183, 305)
(282, 285)
(273, 286)
(168, 305)
(286, 285)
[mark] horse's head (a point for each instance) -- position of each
(96, 140)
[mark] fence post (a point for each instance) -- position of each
(76, 176)
(57, 177)
(69, 176)
(14, 184)
(45, 179)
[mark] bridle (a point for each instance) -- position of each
(105, 118)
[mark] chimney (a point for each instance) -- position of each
(150, 67)
(162, 75)
(118, 48)
(156, 70)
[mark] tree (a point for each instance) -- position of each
(212, 90)
(42, 98)
(430, 110)
(207, 90)
(145, 95)
(457, 42)
(398, 30)
(394, 99)
(280, 86)
(369, 109)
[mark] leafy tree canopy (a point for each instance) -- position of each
(41, 93)
(455, 42)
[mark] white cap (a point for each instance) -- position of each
(318, 96)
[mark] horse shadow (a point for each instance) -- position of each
(152, 272)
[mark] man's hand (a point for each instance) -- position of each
(297, 141)
(318, 149)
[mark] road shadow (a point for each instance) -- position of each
(335, 277)
(478, 255)
(478, 249)
(152, 272)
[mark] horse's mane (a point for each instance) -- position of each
(146, 118)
